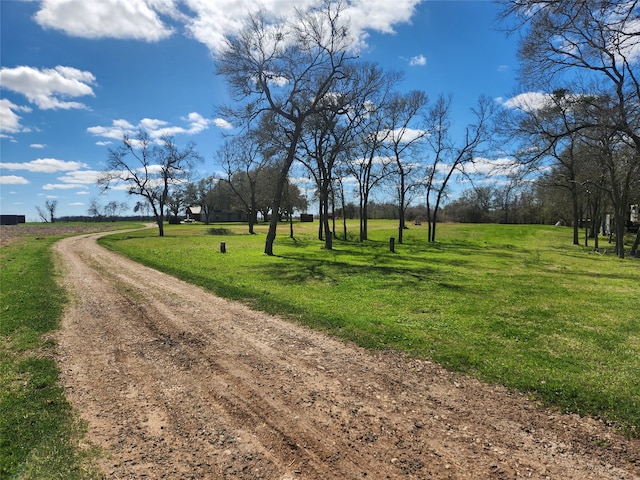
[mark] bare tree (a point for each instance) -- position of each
(402, 112)
(149, 170)
(47, 214)
(593, 44)
(369, 165)
(286, 70)
(450, 156)
(244, 159)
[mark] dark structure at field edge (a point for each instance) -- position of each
(12, 219)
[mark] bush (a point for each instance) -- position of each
(219, 231)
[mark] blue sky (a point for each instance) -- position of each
(77, 74)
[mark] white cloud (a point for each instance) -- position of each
(44, 165)
(130, 19)
(37, 145)
(491, 167)
(9, 119)
(152, 124)
(195, 123)
(380, 15)
(222, 123)
(48, 86)
(402, 135)
(62, 186)
(528, 101)
(117, 130)
(13, 180)
(418, 60)
(207, 21)
(81, 177)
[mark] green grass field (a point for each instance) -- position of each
(39, 432)
(515, 305)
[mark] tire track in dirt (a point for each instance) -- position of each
(177, 383)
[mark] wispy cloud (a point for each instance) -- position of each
(44, 165)
(13, 180)
(156, 128)
(418, 60)
(222, 123)
(46, 88)
(528, 101)
(75, 180)
(63, 186)
(492, 167)
(81, 177)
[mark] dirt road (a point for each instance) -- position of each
(177, 383)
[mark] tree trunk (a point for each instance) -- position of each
(291, 225)
(620, 231)
(574, 203)
(636, 243)
(401, 210)
(160, 222)
(282, 179)
(428, 217)
(363, 234)
(328, 235)
(253, 214)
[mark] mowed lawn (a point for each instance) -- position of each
(515, 305)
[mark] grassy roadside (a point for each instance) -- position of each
(516, 305)
(39, 432)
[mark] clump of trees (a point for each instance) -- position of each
(303, 95)
(581, 56)
(110, 210)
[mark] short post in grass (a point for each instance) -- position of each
(223, 247)
(392, 245)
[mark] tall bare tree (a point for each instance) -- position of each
(149, 169)
(448, 155)
(286, 69)
(404, 113)
(369, 164)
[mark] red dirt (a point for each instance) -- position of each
(177, 383)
